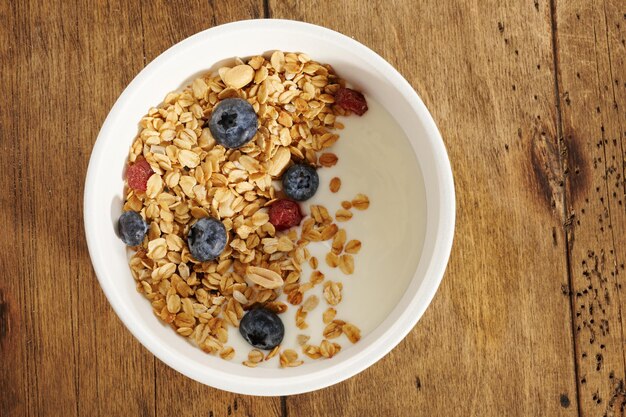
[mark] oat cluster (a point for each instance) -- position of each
(194, 177)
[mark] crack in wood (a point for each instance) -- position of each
(594, 139)
(563, 161)
(283, 407)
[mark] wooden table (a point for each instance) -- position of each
(530, 97)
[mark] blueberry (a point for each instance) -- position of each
(233, 122)
(132, 228)
(207, 239)
(262, 328)
(300, 182)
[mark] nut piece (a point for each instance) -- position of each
(272, 353)
(353, 247)
(250, 364)
(255, 356)
(343, 215)
(279, 162)
(339, 241)
(239, 76)
(188, 159)
(199, 88)
(333, 329)
(332, 260)
(327, 349)
(320, 214)
(352, 332)
(173, 303)
(289, 358)
(302, 339)
(310, 303)
(241, 299)
(328, 159)
(301, 319)
(346, 264)
(277, 307)
(294, 297)
(227, 353)
(329, 232)
(278, 60)
(361, 202)
(329, 315)
(157, 248)
(316, 277)
(311, 351)
(335, 184)
(266, 278)
(154, 186)
(332, 292)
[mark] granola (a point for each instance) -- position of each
(193, 177)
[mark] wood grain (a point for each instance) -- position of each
(592, 85)
(113, 372)
(530, 98)
(13, 337)
(497, 339)
(69, 63)
(176, 394)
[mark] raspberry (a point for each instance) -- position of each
(351, 100)
(285, 214)
(137, 175)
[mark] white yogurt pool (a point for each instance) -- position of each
(376, 159)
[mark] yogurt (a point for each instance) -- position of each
(375, 159)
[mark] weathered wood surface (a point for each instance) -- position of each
(530, 98)
(591, 57)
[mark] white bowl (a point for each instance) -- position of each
(171, 70)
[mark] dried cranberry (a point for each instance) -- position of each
(351, 100)
(285, 214)
(137, 175)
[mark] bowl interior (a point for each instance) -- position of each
(366, 71)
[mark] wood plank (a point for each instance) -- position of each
(14, 379)
(592, 84)
(115, 373)
(66, 353)
(505, 344)
(164, 24)
(497, 339)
